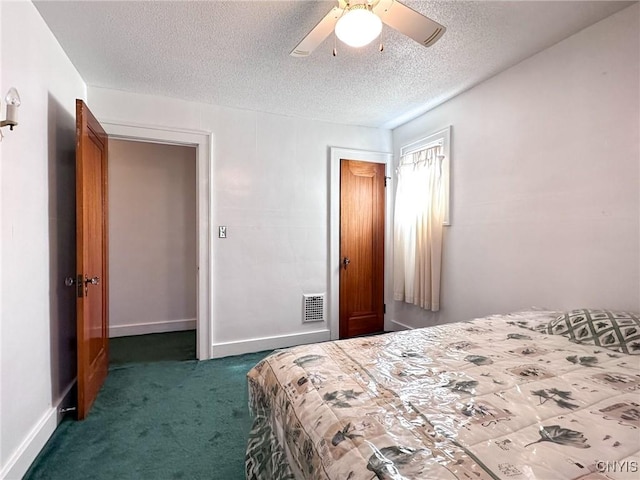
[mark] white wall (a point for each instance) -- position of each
(270, 189)
(152, 238)
(38, 232)
(545, 181)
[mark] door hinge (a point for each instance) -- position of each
(80, 286)
(384, 308)
(385, 180)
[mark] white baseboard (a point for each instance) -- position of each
(401, 325)
(152, 327)
(28, 450)
(225, 349)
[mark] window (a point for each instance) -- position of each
(443, 139)
(421, 210)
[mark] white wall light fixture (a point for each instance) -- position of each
(13, 102)
(359, 26)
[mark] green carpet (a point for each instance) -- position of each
(153, 348)
(162, 420)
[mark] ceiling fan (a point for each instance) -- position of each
(359, 22)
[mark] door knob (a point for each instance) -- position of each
(90, 281)
(345, 262)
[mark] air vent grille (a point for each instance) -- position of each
(313, 308)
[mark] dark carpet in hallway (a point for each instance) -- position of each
(155, 347)
(157, 419)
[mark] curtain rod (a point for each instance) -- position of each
(415, 162)
(437, 143)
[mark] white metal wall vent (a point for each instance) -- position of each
(313, 308)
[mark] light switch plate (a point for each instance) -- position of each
(222, 232)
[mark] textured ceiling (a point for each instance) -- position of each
(236, 54)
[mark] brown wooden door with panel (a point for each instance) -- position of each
(362, 203)
(92, 257)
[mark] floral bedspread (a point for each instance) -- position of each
(493, 398)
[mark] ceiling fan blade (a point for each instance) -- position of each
(319, 33)
(409, 22)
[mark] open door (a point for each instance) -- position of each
(362, 202)
(92, 257)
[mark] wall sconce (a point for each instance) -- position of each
(13, 102)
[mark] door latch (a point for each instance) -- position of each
(345, 262)
(80, 283)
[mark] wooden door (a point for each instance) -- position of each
(362, 201)
(92, 251)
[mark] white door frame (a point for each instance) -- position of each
(338, 154)
(203, 143)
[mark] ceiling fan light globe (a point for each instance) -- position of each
(358, 28)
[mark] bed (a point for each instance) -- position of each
(528, 395)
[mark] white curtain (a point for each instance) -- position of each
(419, 214)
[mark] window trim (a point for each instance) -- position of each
(443, 138)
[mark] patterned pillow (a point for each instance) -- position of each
(619, 331)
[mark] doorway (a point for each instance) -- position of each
(202, 143)
(335, 260)
(152, 238)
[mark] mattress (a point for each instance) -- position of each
(501, 397)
